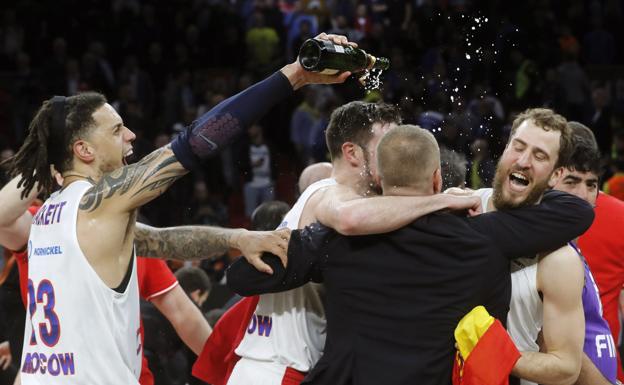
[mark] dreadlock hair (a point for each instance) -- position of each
(58, 123)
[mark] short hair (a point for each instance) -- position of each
(585, 156)
(407, 156)
(352, 122)
(548, 120)
(269, 215)
(193, 278)
(58, 123)
(454, 166)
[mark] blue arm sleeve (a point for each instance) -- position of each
(219, 126)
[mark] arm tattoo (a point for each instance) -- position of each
(183, 243)
(134, 176)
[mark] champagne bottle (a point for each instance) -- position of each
(325, 57)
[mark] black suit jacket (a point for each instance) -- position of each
(394, 300)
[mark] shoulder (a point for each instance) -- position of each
(560, 270)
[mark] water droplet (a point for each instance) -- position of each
(468, 56)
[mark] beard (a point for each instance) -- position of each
(532, 197)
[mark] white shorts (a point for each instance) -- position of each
(252, 372)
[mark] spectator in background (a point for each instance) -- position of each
(262, 46)
(453, 167)
(482, 166)
(598, 44)
(599, 118)
(259, 187)
(195, 283)
(573, 87)
(313, 173)
(303, 119)
(268, 216)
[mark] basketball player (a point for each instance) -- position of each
(156, 282)
(83, 313)
(580, 177)
(546, 301)
(286, 333)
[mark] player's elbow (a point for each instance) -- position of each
(346, 222)
(568, 374)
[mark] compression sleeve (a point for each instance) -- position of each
(218, 127)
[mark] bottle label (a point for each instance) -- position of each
(329, 71)
(338, 48)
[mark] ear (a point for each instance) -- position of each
(555, 177)
(83, 151)
(437, 181)
(352, 153)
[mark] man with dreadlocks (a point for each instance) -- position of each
(83, 307)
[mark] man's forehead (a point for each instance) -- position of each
(530, 133)
(106, 115)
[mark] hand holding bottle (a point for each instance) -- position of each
(299, 77)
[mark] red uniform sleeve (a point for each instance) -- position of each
(155, 277)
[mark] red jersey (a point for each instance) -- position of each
(154, 276)
(603, 247)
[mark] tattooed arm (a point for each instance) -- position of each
(131, 186)
(200, 242)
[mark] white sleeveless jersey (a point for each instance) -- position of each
(289, 328)
(525, 318)
(78, 330)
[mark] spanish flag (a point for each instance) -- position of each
(485, 352)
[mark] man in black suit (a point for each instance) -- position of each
(394, 300)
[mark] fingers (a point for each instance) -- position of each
(259, 264)
(336, 39)
(5, 361)
(458, 191)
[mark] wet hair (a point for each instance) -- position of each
(352, 122)
(269, 215)
(454, 166)
(586, 155)
(58, 123)
(548, 120)
(193, 278)
(407, 156)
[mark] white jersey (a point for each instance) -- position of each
(78, 330)
(525, 318)
(289, 328)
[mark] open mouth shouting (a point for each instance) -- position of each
(518, 181)
(126, 156)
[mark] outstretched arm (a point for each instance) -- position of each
(306, 257)
(15, 219)
(200, 242)
(557, 219)
(560, 280)
(349, 214)
(132, 186)
(185, 317)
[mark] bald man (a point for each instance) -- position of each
(314, 173)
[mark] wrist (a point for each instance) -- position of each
(236, 238)
(295, 75)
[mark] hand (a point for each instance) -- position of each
(472, 203)
(5, 355)
(459, 191)
(253, 243)
(299, 77)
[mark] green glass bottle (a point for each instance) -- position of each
(328, 58)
